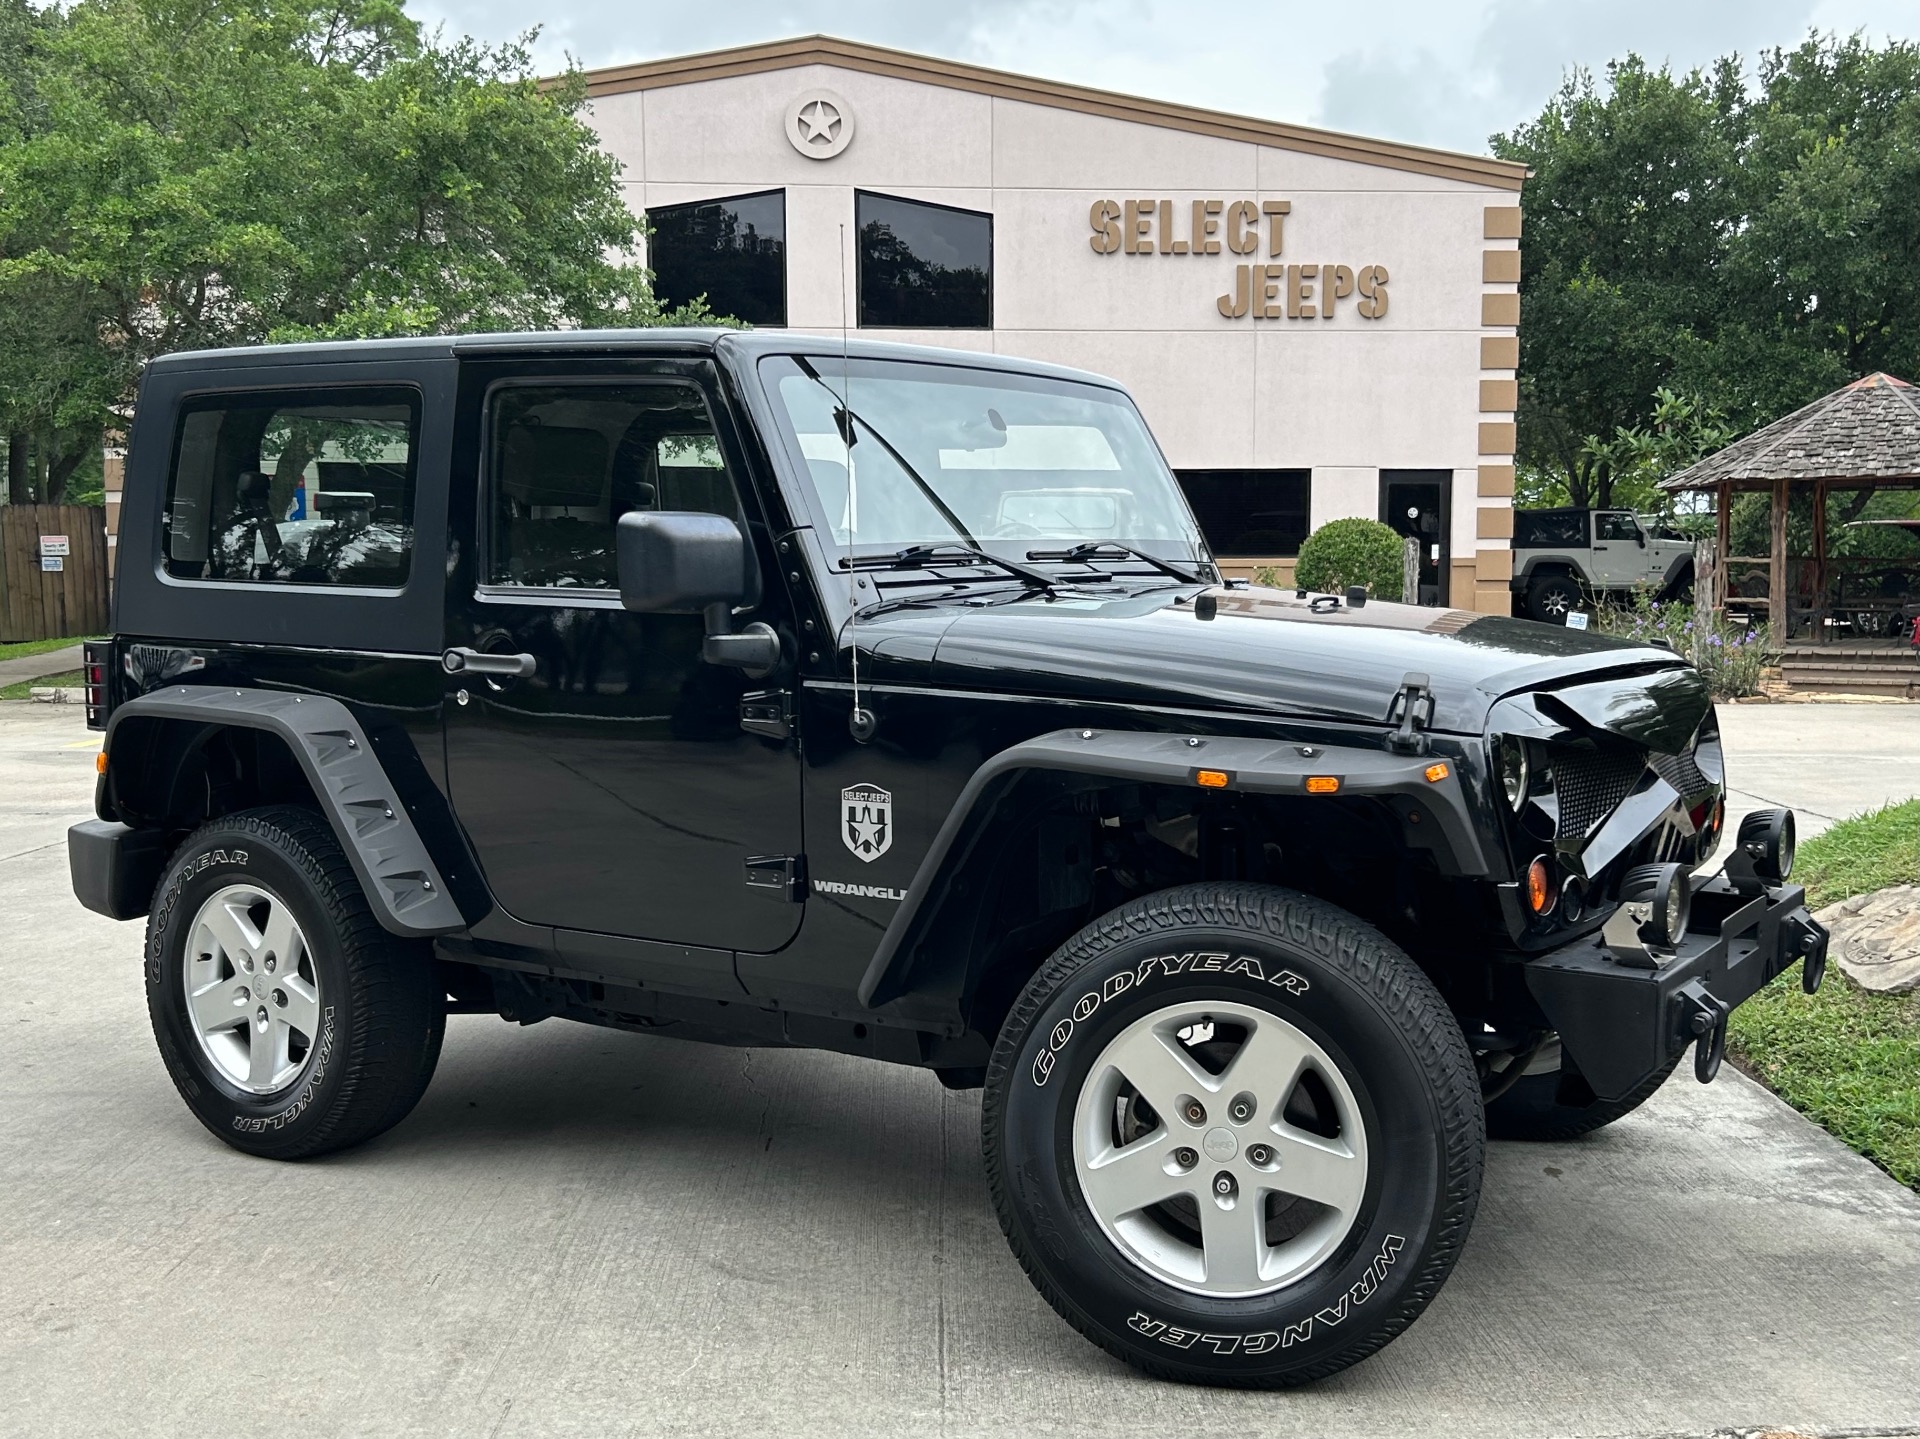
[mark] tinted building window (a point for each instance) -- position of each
(923, 267)
(311, 488)
(732, 251)
(1249, 513)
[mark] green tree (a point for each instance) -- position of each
(1747, 244)
(189, 173)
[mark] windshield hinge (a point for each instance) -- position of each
(1412, 706)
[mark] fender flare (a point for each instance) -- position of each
(1252, 766)
(408, 893)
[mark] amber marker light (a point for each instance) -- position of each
(1540, 895)
(1437, 772)
(1323, 784)
(1210, 778)
(100, 763)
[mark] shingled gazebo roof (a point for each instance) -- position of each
(1869, 430)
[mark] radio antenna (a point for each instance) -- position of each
(860, 723)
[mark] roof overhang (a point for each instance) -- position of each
(1004, 85)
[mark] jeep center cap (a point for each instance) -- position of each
(1220, 1145)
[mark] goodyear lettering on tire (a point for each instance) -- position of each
(1161, 966)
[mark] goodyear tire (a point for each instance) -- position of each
(1234, 1135)
(290, 1021)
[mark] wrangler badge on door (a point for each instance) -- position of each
(868, 826)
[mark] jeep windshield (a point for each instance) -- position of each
(904, 458)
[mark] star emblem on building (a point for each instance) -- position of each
(819, 122)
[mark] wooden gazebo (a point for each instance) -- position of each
(1864, 436)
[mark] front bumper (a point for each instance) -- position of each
(1621, 1022)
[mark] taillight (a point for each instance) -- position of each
(97, 655)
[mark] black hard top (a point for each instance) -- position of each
(741, 345)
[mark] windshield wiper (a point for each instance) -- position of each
(845, 417)
(950, 554)
(1112, 548)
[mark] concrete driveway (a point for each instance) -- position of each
(582, 1232)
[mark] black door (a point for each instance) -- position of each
(613, 789)
(1414, 503)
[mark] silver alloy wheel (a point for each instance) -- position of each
(253, 995)
(1220, 1190)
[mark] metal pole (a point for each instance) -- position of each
(1410, 571)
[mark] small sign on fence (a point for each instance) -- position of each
(53, 564)
(54, 545)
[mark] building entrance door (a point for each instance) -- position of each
(1415, 503)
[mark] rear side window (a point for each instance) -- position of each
(568, 459)
(302, 488)
(1540, 529)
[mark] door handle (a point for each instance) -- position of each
(463, 661)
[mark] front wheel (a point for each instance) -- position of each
(1234, 1135)
(291, 1022)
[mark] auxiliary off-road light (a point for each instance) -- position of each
(1541, 895)
(1658, 897)
(1767, 838)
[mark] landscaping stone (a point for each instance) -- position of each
(1876, 938)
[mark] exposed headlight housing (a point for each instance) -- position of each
(1515, 772)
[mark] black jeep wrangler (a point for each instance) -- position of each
(772, 691)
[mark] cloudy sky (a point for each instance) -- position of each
(1435, 72)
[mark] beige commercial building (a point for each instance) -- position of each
(1316, 325)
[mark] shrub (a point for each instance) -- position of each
(1730, 655)
(1351, 552)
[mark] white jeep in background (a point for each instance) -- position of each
(1565, 558)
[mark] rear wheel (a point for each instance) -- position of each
(291, 1022)
(1233, 1135)
(1551, 598)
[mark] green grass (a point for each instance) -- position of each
(1847, 1059)
(23, 689)
(25, 649)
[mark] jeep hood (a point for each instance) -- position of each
(1267, 652)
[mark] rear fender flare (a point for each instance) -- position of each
(1445, 826)
(406, 889)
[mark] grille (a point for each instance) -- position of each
(1590, 786)
(1680, 771)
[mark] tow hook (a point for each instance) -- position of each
(1706, 1020)
(1810, 943)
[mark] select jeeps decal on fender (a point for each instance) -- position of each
(1167, 965)
(859, 891)
(866, 821)
(1268, 1340)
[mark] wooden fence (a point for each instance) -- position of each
(37, 603)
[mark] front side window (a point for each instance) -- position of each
(313, 488)
(733, 252)
(943, 453)
(1615, 527)
(923, 267)
(567, 460)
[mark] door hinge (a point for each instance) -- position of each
(767, 712)
(778, 876)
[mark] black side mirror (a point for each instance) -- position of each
(688, 562)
